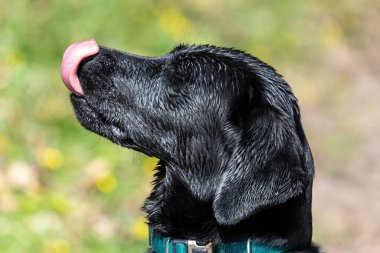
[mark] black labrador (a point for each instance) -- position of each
(235, 165)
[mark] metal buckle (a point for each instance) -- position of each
(191, 245)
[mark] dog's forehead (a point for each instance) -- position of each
(194, 51)
(219, 59)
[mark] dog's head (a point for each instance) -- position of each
(210, 111)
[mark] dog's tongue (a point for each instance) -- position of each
(72, 57)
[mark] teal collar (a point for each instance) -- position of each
(161, 244)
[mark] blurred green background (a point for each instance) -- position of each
(63, 189)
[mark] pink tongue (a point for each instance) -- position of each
(72, 57)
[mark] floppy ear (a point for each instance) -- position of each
(266, 167)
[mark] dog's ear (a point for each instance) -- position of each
(266, 167)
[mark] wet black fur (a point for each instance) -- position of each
(234, 160)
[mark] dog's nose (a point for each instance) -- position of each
(72, 57)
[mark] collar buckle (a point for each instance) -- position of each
(191, 245)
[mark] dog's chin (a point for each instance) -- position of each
(85, 114)
(92, 120)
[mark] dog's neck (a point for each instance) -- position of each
(173, 210)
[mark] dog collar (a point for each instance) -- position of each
(161, 244)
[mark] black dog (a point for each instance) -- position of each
(235, 165)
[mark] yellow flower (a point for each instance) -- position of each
(332, 33)
(15, 58)
(149, 164)
(140, 229)
(60, 204)
(106, 183)
(51, 158)
(173, 22)
(57, 246)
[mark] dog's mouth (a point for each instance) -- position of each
(94, 120)
(72, 58)
(84, 111)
